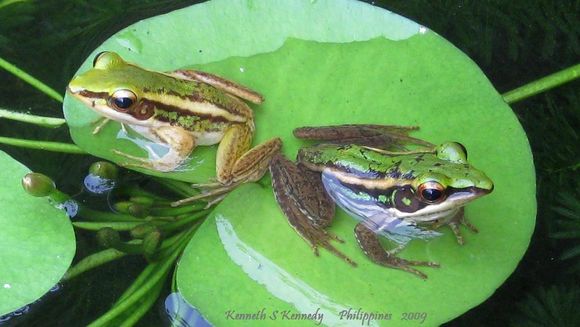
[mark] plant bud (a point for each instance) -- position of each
(104, 170)
(37, 184)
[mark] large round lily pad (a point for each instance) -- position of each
(329, 62)
(37, 242)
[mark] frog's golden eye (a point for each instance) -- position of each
(122, 100)
(431, 192)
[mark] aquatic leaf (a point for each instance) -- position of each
(37, 243)
(331, 62)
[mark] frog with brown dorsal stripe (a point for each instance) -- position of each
(402, 195)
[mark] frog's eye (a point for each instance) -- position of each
(431, 192)
(99, 55)
(122, 100)
(462, 148)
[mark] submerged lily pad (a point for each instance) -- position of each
(37, 242)
(329, 62)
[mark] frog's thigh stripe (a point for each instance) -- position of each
(236, 141)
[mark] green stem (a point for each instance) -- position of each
(159, 270)
(50, 122)
(6, 3)
(143, 306)
(169, 227)
(136, 191)
(101, 216)
(43, 145)
(176, 211)
(143, 278)
(543, 84)
(146, 273)
(180, 188)
(92, 261)
(116, 225)
(31, 80)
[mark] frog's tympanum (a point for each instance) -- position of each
(365, 169)
(181, 110)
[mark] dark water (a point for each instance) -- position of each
(513, 42)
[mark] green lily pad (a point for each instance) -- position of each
(330, 62)
(37, 242)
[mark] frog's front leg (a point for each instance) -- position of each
(370, 244)
(178, 140)
(455, 222)
(309, 210)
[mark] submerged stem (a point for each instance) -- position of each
(31, 80)
(92, 261)
(543, 84)
(157, 271)
(50, 122)
(116, 225)
(143, 306)
(43, 145)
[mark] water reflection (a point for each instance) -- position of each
(280, 283)
(12, 318)
(182, 314)
(97, 184)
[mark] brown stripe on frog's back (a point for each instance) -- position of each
(383, 183)
(202, 104)
(180, 117)
(93, 95)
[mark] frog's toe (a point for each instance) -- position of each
(370, 244)
(456, 222)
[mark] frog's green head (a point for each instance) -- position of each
(445, 181)
(115, 89)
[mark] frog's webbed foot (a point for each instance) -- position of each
(371, 246)
(301, 196)
(385, 137)
(456, 221)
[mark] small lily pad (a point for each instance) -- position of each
(319, 63)
(37, 242)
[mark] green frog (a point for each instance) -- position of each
(181, 109)
(393, 192)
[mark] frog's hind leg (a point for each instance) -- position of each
(386, 137)
(372, 247)
(309, 210)
(221, 83)
(235, 164)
